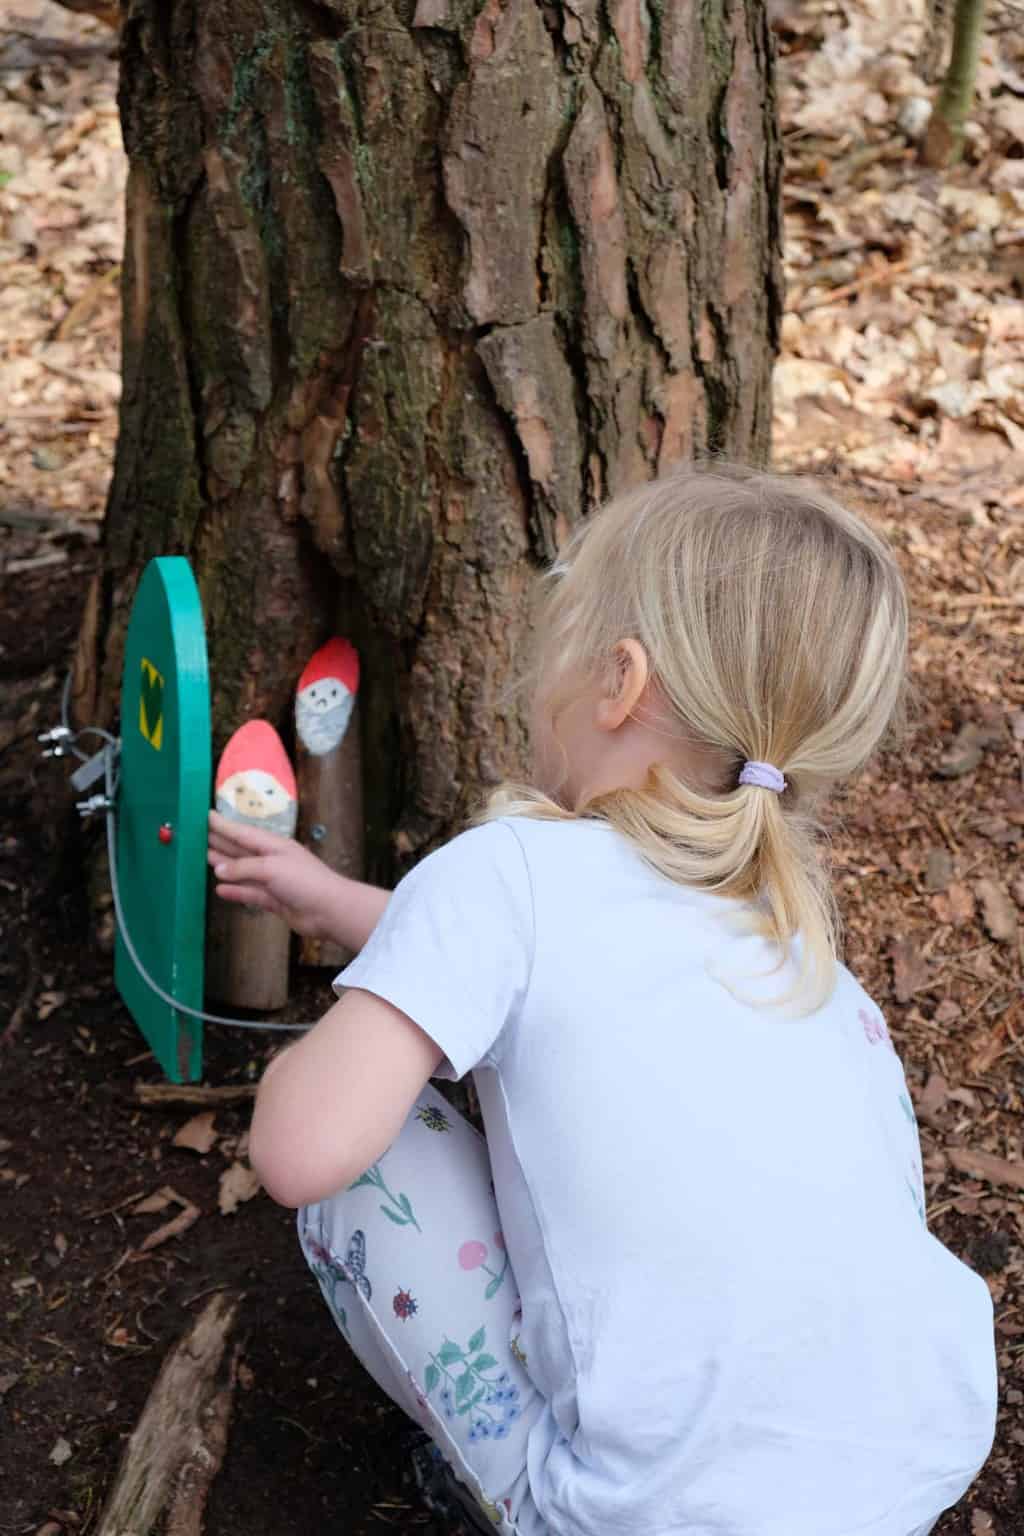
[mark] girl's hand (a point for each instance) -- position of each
(264, 869)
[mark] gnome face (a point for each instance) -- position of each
(322, 713)
(255, 796)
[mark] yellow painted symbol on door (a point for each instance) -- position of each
(151, 705)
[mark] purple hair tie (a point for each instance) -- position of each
(763, 776)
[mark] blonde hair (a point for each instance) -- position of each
(775, 623)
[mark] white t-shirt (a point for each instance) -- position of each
(731, 1303)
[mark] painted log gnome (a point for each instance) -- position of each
(247, 949)
(328, 766)
(325, 696)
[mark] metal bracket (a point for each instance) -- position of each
(93, 804)
(92, 769)
(57, 741)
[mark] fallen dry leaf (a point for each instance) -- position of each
(49, 1002)
(938, 869)
(237, 1184)
(197, 1134)
(997, 911)
(963, 753)
(910, 969)
(982, 1523)
(959, 901)
(986, 1165)
(61, 1452)
(933, 1099)
(988, 1049)
(7, 1381)
(173, 1228)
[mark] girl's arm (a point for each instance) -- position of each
(262, 869)
(332, 1104)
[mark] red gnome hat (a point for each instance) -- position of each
(257, 745)
(338, 658)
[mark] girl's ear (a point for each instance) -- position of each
(627, 676)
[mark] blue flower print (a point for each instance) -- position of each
(467, 1385)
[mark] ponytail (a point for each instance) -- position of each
(775, 622)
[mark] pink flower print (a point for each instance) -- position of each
(472, 1255)
(499, 1240)
(874, 1027)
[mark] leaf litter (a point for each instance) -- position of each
(903, 341)
(62, 177)
(902, 374)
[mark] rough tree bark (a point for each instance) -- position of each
(410, 286)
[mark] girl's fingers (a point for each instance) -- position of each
(242, 871)
(250, 839)
(219, 848)
(226, 847)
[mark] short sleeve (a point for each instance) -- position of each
(454, 947)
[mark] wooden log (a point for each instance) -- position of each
(178, 1444)
(159, 1095)
(329, 771)
(247, 949)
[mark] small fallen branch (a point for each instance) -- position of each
(968, 600)
(986, 1165)
(187, 1217)
(158, 1095)
(178, 1444)
(874, 279)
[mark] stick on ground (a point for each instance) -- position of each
(158, 1095)
(177, 1447)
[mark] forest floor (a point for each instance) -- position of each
(902, 376)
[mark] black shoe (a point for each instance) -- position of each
(441, 1490)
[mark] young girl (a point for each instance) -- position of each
(686, 1285)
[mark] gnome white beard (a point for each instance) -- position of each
(283, 821)
(257, 798)
(322, 713)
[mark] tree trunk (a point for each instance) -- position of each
(406, 293)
